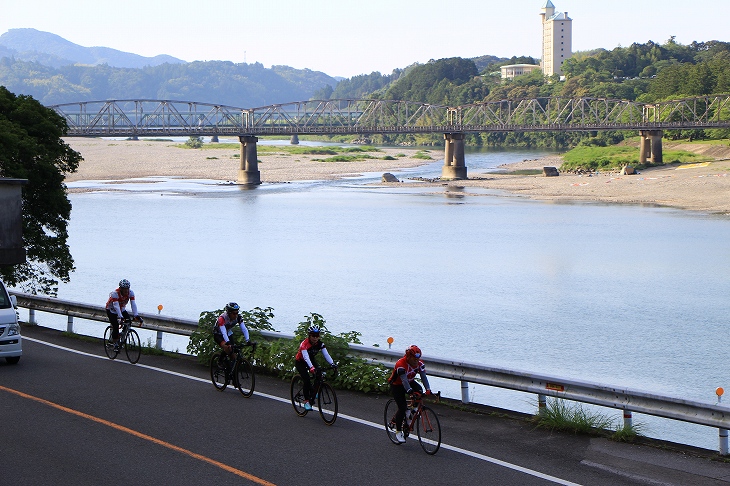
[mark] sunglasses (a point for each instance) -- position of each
(416, 355)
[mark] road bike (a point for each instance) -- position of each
(239, 372)
(128, 339)
(324, 395)
(418, 417)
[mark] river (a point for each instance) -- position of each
(627, 295)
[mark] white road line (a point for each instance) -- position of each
(458, 450)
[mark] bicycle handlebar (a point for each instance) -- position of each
(239, 346)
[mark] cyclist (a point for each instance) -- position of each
(402, 380)
(304, 361)
(116, 308)
(224, 328)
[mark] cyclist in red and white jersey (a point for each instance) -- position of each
(116, 307)
(403, 380)
(224, 327)
(304, 361)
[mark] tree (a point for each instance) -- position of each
(194, 142)
(31, 148)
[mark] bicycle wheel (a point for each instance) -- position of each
(429, 431)
(133, 346)
(218, 372)
(109, 344)
(327, 403)
(297, 395)
(245, 379)
(389, 417)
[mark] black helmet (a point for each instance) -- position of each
(124, 284)
(232, 306)
(314, 330)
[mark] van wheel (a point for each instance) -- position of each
(13, 360)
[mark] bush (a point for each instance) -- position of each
(277, 356)
(203, 345)
(354, 373)
(194, 142)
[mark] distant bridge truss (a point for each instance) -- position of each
(133, 118)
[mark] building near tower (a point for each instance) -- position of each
(511, 71)
(557, 39)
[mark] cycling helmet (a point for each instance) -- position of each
(414, 351)
(313, 330)
(232, 306)
(124, 284)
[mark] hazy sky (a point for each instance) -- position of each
(346, 38)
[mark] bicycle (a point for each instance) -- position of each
(324, 393)
(128, 338)
(240, 373)
(418, 416)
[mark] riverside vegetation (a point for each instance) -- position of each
(277, 356)
(336, 154)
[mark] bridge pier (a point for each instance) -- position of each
(650, 146)
(248, 172)
(294, 139)
(454, 165)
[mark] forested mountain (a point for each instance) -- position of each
(55, 51)
(219, 82)
(54, 70)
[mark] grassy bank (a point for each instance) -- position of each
(617, 156)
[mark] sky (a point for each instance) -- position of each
(346, 38)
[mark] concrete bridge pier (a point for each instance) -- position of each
(454, 165)
(248, 172)
(650, 146)
(294, 139)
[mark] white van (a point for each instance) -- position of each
(11, 344)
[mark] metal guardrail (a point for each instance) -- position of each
(627, 400)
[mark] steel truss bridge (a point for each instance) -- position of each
(133, 118)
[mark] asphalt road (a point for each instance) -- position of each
(70, 416)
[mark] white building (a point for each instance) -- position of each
(557, 39)
(511, 70)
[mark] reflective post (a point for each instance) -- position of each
(70, 325)
(723, 442)
(719, 391)
(628, 419)
(465, 391)
(541, 404)
(31, 316)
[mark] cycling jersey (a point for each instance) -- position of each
(117, 302)
(307, 351)
(224, 326)
(402, 368)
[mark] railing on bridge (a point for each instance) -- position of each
(624, 399)
(133, 118)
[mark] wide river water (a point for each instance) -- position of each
(626, 295)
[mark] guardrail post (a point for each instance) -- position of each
(723, 442)
(628, 419)
(465, 392)
(70, 325)
(541, 404)
(31, 316)
(158, 345)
